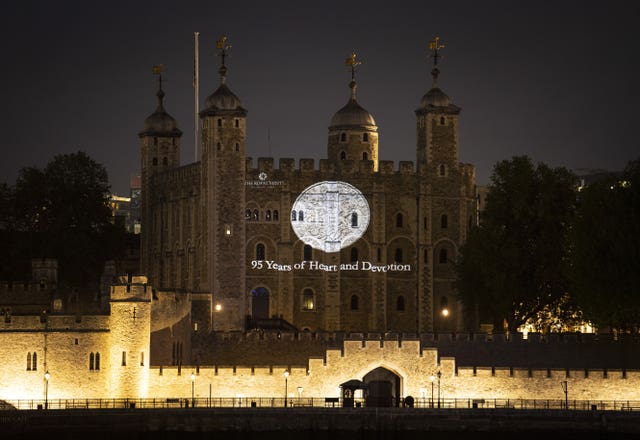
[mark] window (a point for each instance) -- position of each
(307, 300)
(399, 220)
(398, 255)
(354, 254)
(443, 170)
(442, 120)
(237, 146)
(275, 215)
(260, 251)
(424, 221)
(400, 303)
(91, 361)
(97, 361)
(142, 358)
(343, 155)
(256, 215)
(442, 256)
(34, 361)
(293, 216)
(124, 358)
(444, 221)
(307, 253)
(165, 161)
(28, 361)
(237, 123)
(247, 215)
(267, 215)
(219, 122)
(354, 220)
(354, 302)
(343, 138)
(426, 256)
(365, 137)
(365, 156)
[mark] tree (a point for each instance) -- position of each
(62, 212)
(606, 251)
(514, 265)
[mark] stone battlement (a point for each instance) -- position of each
(287, 166)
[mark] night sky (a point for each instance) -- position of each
(557, 81)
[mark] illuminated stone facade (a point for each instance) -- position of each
(206, 225)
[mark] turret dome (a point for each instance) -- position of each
(160, 123)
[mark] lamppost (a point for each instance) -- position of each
(193, 383)
(565, 388)
(286, 385)
(46, 389)
(432, 378)
(439, 375)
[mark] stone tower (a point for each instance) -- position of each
(160, 152)
(353, 133)
(223, 200)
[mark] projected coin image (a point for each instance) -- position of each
(330, 215)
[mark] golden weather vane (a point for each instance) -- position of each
(352, 63)
(222, 45)
(157, 69)
(435, 46)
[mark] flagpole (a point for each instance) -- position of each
(196, 85)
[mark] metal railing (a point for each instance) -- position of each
(323, 402)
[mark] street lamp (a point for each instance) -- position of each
(439, 375)
(286, 385)
(193, 383)
(432, 378)
(46, 389)
(565, 388)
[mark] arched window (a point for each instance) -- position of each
(343, 155)
(399, 220)
(237, 146)
(34, 361)
(354, 302)
(443, 170)
(247, 215)
(28, 361)
(354, 254)
(307, 300)
(365, 137)
(444, 221)
(218, 146)
(276, 216)
(256, 215)
(398, 255)
(267, 215)
(354, 220)
(343, 138)
(219, 122)
(300, 216)
(365, 156)
(91, 361)
(260, 251)
(293, 216)
(400, 303)
(97, 361)
(237, 123)
(442, 256)
(307, 253)
(442, 120)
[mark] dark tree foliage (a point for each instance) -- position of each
(606, 253)
(514, 265)
(60, 212)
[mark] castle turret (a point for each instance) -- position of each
(353, 133)
(160, 151)
(437, 126)
(223, 196)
